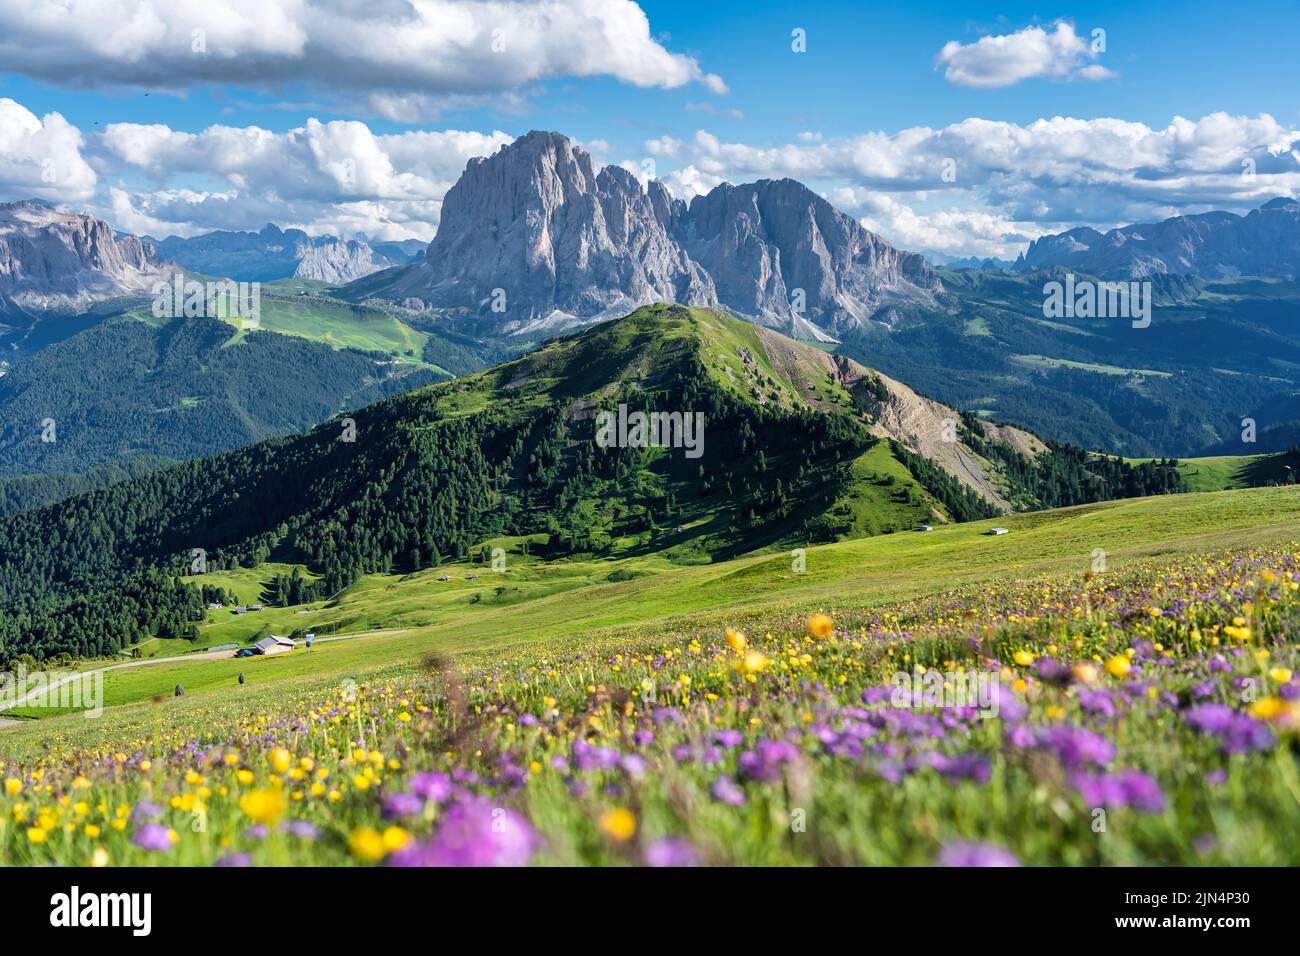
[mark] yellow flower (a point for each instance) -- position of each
(1118, 666)
(619, 824)
(92, 830)
(736, 640)
(1280, 675)
(36, 835)
(280, 760)
(1270, 708)
(244, 776)
(1023, 658)
(367, 844)
(262, 806)
(395, 838)
(1085, 673)
(754, 662)
(99, 857)
(13, 785)
(820, 625)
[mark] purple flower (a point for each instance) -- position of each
(235, 860)
(402, 804)
(301, 829)
(1076, 746)
(1237, 732)
(764, 762)
(877, 695)
(961, 767)
(671, 851)
(1214, 719)
(729, 738)
(976, 855)
(153, 837)
(1099, 702)
(474, 834)
(432, 785)
(664, 714)
(633, 765)
(1124, 788)
(726, 790)
(1052, 671)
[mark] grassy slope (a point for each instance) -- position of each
(338, 324)
(1223, 472)
(574, 604)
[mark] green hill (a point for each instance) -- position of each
(1224, 472)
(793, 447)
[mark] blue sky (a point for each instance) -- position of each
(314, 114)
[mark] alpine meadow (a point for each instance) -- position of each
(639, 435)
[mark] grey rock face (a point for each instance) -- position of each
(272, 253)
(535, 238)
(1214, 245)
(53, 261)
(775, 245)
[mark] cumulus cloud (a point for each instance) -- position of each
(408, 59)
(981, 187)
(995, 184)
(996, 61)
(40, 158)
(335, 177)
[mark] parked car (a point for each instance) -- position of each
(245, 652)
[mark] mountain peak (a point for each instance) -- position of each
(535, 239)
(65, 262)
(1212, 245)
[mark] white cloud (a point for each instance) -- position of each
(996, 61)
(406, 60)
(40, 158)
(984, 186)
(335, 177)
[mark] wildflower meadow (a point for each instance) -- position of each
(1144, 716)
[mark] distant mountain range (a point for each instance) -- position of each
(969, 262)
(272, 253)
(536, 239)
(1213, 245)
(64, 262)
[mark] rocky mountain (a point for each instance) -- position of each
(274, 253)
(66, 262)
(1213, 245)
(535, 238)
